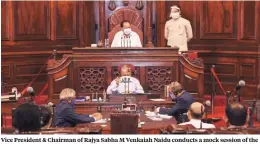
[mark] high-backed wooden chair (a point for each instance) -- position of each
(124, 123)
(129, 14)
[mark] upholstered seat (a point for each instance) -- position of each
(124, 123)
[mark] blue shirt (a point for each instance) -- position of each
(65, 116)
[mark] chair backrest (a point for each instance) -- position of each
(129, 14)
(124, 123)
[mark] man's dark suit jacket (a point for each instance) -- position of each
(65, 116)
(182, 105)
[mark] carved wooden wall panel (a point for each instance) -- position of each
(189, 84)
(158, 77)
(92, 79)
(4, 20)
(248, 20)
(230, 69)
(218, 20)
(66, 19)
(60, 85)
(31, 20)
(24, 73)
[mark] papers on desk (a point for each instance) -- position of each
(150, 114)
(100, 121)
(157, 100)
(164, 116)
(154, 116)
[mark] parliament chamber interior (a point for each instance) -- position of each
(130, 67)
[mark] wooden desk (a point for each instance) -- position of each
(90, 70)
(109, 106)
(150, 127)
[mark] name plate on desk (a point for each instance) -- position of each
(130, 98)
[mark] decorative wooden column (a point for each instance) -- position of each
(160, 22)
(102, 20)
(149, 24)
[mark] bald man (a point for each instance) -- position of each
(195, 115)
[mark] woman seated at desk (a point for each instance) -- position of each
(125, 84)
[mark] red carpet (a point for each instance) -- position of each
(219, 110)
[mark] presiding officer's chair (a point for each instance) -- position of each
(129, 14)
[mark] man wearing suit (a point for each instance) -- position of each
(65, 115)
(183, 101)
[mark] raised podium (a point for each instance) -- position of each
(89, 70)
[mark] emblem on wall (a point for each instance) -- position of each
(112, 5)
(139, 5)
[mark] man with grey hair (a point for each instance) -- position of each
(178, 30)
(183, 101)
(65, 115)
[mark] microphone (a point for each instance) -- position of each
(126, 41)
(228, 94)
(240, 84)
(31, 92)
(201, 121)
(122, 41)
(207, 104)
(54, 54)
(128, 81)
(130, 41)
(251, 113)
(125, 85)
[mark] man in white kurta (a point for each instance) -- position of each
(126, 37)
(178, 30)
(120, 84)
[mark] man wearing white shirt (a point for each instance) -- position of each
(195, 115)
(178, 30)
(125, 84)
(126, 37)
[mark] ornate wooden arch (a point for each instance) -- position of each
(129, 14)
(132, 15)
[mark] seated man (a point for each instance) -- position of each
(126, 37)
(121, 85)
(236, 115)
(195, 115)
(27, 117)
(183, 101)
(65, 116)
